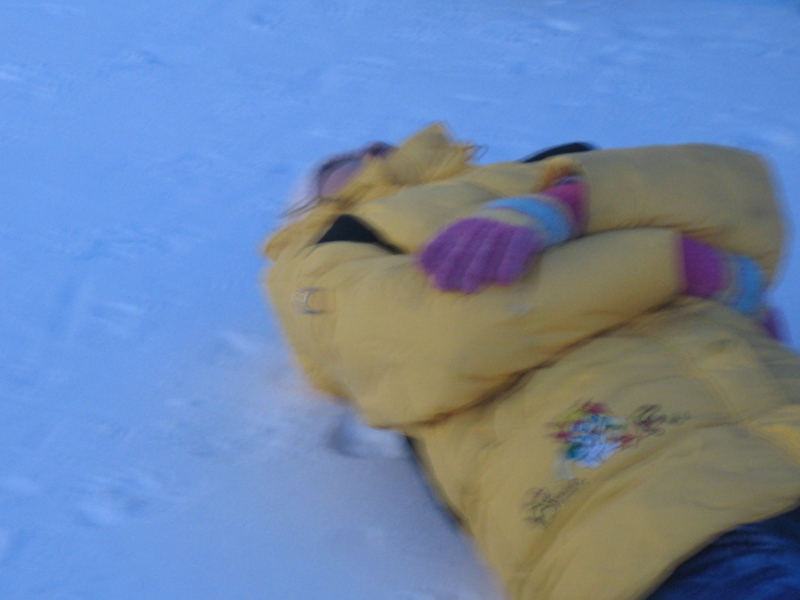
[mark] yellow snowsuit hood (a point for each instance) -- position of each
(591, 427)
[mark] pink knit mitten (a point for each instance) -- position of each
(497, 244)
(732, 279)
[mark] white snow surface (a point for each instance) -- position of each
(156, 438)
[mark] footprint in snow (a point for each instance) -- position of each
(112, 501)
(352, 437)
(267, 21)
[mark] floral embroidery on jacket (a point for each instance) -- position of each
(591, 434)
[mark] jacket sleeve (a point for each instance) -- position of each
(719, 195)
(406, 353)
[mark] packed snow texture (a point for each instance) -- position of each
(157, 440)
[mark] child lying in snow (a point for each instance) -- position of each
(575, 345)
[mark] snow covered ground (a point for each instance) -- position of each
(156, 441)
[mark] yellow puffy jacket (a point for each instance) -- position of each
(592, 428)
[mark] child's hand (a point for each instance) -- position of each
(497, 245)
(475, 252)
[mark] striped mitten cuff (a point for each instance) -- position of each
(735, 280)
(555, 215)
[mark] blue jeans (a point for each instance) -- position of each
(757, 561)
